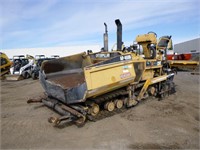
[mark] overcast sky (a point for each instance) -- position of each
(46, 23)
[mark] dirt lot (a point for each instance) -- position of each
(170, 123)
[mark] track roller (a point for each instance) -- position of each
(54, 120)
(94, 109)
(118, 103)
(110, 106)
(152, 91)
(81, 121)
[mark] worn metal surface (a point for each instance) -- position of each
(63, 78)
(59, 88)
(68, 81)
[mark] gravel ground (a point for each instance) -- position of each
(172, 123)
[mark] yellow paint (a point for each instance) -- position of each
(106, 75)
(145, 40)
(149, 82)
(5, 64)
(148, 74)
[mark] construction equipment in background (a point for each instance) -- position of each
(39, 57)
(26, 67)
(5, 64)
(21, 67)
(186, 56)
(187, 61)
(82, 86)
(26, 70)
(55, 56)
(184, 65)
(194, 56)
(183, 62)
(36, 67)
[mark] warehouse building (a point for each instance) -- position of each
(192, 46)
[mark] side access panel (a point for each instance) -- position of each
(102, 79)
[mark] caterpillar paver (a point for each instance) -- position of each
(80, 86)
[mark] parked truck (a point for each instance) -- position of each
(80, 86)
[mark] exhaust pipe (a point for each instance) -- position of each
(119, 34)
(105, 39)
